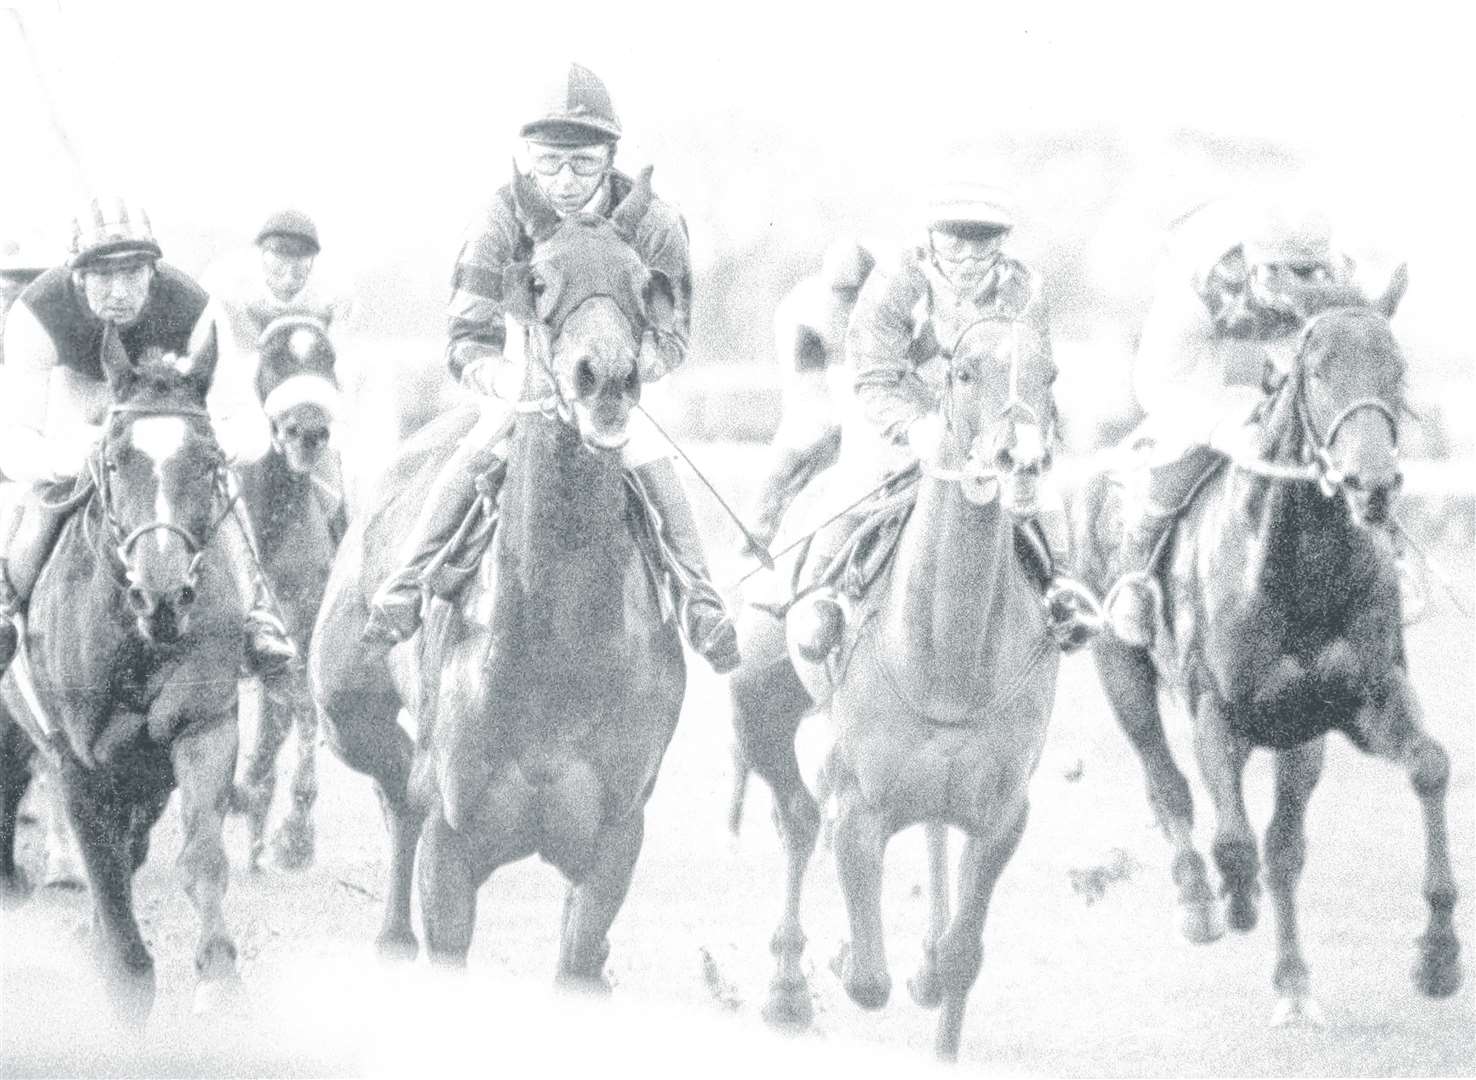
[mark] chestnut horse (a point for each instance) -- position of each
(941, 705)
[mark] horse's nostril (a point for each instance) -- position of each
(584, 378)
(186, 595)
(138, 600)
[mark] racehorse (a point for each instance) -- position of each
(1280, 623)
(941, 705)
(128, 682)
(298, 519)
(545, 701)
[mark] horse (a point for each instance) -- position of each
(1280, 622)
(127, 685)
(545, 700)
(942, 693)
(298, 519)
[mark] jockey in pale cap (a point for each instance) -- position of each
(810, 345)
(960, 275)
(1210, 344)
(569, 152)
(56, 399)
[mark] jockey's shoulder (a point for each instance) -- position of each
(1019, 286)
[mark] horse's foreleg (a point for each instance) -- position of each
(294, 841)
(594, 902)
(1131, 685)
(253, 796)
(1222, 757)
(926, 988)
(15, 777)
(1297, 771)
(100, 819)
(448, 892)
(960, 950)
(204, 757)
(63, 867)
(1392, 730)
(861, 836)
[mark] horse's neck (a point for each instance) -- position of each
(952, 588)
(562, 517)
(1307, 549)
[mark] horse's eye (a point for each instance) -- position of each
(964, 375)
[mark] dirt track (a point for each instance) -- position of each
(1084, 972)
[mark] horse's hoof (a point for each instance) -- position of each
(1297, 1010)
(869, 992)
(925, 988)
(1438, 973)
(1200, 923)
(294, 845)
(789, 1006)
(65, 881)
(397, 948)
(1240, 912)
(224, 996)
(596, 985)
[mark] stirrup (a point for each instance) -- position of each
(719, 646)
(1136, 629)
(269, 648)
(1073, 614)
(819, 625)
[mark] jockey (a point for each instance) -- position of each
(1209, 347)
(570, 146)
(56, 399)
(960, 275)
(809, 339)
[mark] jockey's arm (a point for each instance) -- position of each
(880, 334)
(476, 325)
(665, 246)
(48, 415)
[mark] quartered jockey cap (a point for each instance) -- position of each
(294, 225)
(969, 203)
(574, 110)
(110, 229)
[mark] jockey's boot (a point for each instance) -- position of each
(1133, 603)
(31, 535)
(268, 648)
(704, 618)
(1073, 616)
(473, 468)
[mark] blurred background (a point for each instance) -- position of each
(775, 129)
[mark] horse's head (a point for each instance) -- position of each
(298, 388)
(999, 412)
(159, 478)
(1349, 382)
(590, 299)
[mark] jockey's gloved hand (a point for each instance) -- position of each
(925, 436)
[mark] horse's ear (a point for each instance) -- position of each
(520, 290)
(538, 213)
(118, 370)
(199, 366)
(627, 216)
(1388, 301)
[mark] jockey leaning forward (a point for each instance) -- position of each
(810, 345)
(56, 399)
(570, 150)
(957, 277)
(1211, 346)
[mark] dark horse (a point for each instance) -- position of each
(545, 702)
(1281, 624)
(298, 519)
(128, 683)
(941, 705)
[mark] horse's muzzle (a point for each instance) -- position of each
(161, 620)
(1370, 501)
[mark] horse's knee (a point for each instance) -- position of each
(1286, 851)
(1429, 768)
(959, 958)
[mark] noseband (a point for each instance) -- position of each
(556, 404)
(125, 542)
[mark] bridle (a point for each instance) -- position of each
(124, 541)
(977, 475)
(556, 404)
